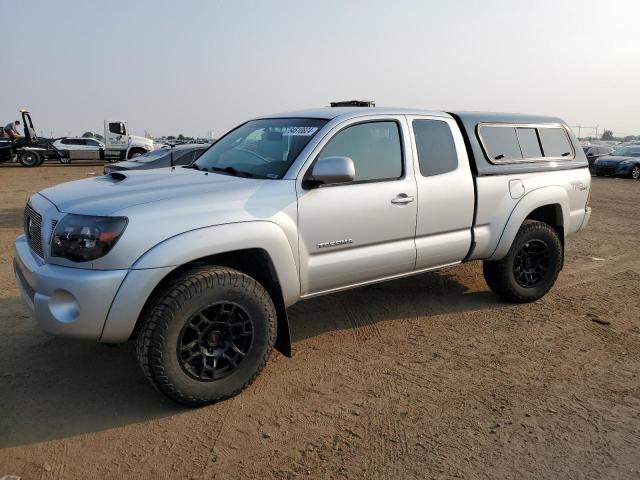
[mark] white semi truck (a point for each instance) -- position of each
(119, 145)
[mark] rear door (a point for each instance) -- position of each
(353, 233)
(77, 148)
(445, 192)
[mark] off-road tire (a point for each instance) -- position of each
(500, 276)
(172, 307)
(29, 159)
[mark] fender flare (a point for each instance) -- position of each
(159, 261)
(540, 197)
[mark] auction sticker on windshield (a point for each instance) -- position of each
(299, 131)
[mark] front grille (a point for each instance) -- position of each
(33, 229)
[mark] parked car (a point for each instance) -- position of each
(79, 148)
(182, 155)
(623, 162)
(198, 264)
(594, 152)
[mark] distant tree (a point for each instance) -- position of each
(88, 135)
(171, 137)
(607, 135)
(181, 137)
(97, 136)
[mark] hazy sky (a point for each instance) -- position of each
(190, 67)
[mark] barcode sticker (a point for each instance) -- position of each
(299, 131)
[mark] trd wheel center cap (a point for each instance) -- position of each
(214, 338)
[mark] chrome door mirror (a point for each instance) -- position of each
(332, 170)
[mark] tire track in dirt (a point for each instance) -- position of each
(385, 434)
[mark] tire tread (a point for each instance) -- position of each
(164, 306)
(498, 273)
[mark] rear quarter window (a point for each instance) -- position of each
(512, 143)
(555, 142)
(436, 148)
(501, 143)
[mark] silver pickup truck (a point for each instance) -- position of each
(198, 264)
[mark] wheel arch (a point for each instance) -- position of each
(254, 262)
(549, 205)
(134, 149)
(258, 249)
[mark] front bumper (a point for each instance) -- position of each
(70, 302)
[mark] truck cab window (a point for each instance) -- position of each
(374, 148)
(117, 128)
(436, 148)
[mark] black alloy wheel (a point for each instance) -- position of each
(215, 341)
(531, 263)
(531, 266)
(205, 334)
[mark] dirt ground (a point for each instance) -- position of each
(426, 377)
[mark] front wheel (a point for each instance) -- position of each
(635, 172)
(206, 335)
(29, 159)
(531, 266)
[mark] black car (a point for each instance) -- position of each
(182, 155)
(593, 152)
(623, 162)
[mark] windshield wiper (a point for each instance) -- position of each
(193, 165)
(232, 171)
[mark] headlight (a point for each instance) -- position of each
(81, 238)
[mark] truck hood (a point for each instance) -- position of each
(108, 194)
(140, 140)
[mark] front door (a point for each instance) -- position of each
(361, 231)
(115, 135)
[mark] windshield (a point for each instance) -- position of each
(627, 152)
(260, 148)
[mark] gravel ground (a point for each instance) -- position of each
(426, 377)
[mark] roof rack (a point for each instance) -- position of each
(354, 103)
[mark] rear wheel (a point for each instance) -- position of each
(29, 159)
(635, 172)
(531, 266)
(65, 160)
(206, 335)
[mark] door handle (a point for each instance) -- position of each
(402, 199)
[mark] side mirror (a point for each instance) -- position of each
(332, 170)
